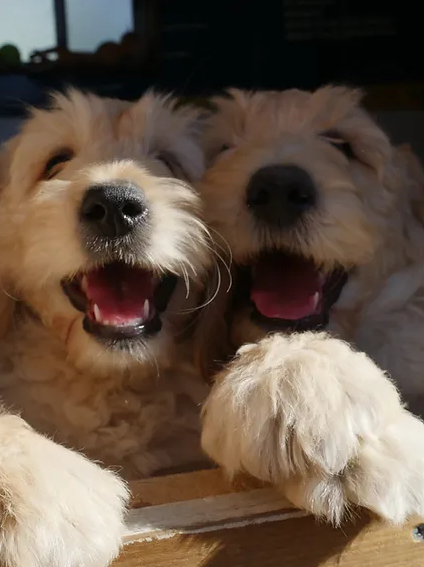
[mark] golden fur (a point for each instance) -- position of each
(305, 410)
(135, 408)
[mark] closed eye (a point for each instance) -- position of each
(55, 163)
(333, 137)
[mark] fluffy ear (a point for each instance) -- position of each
(225, 122)
(167, 129)
(186, 154)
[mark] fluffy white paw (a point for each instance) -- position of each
(57, 508)
(321, 421)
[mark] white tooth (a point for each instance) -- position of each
(97, 314)
(84, 283)
(146, 310)
(316, 299)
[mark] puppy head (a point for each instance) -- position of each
(303, 189)
(100, 234)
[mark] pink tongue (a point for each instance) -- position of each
(286, 287)
(120, 293)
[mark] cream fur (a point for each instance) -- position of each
(308, 412)
(57, 508)
(136, 410)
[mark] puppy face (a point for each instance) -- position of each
(100, 235)
(303, 189)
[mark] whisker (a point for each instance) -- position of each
(186, 280)
(230, 253)
(8, 294)
(208, 300)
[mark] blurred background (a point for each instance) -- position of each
(196, 47)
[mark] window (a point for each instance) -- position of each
(27, 24)
(90, 23)
(31, 25)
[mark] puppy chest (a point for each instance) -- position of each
(110, 421)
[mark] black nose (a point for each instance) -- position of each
(279, 194)
(113, 210)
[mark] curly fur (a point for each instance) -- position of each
(308, 412)
(136, 409)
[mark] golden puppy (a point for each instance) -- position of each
(102, 254)
(324, 222)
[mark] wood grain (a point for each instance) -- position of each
(200, 519)
(294, 542)
(206, 514)
(188, 486)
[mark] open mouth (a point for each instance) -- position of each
(290, 292)
(120, 301)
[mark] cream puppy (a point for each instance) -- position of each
(103, 255)
(323, 219)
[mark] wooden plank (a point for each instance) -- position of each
(290, 542)
(187, 486)
(200, 519)
(206, 514)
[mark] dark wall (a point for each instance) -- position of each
(283, 43)
(195, 47)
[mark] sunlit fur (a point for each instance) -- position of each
(136, 409)
(306, 411)
(57, 507)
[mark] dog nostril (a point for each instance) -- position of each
(279, 195)
(259, 198)
(132, 209)
(113, 210)
(300, 198)
(97, 212)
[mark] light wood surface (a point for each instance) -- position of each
(188, 486)
(200, 519)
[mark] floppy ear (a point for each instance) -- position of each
(7, 304)
(224, 122)
(185, 157)
(169, 130)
